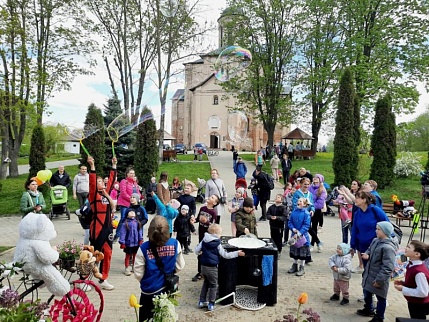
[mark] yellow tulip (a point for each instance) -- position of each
(303, 298)
(133, 302)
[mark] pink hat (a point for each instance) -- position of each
(321, 178)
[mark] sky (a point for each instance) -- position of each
(70, 107)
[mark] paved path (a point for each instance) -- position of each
(317, 281)
(25, 168)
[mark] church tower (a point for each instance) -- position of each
(225, 28)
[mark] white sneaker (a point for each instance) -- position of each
(319, 247)
(105, 285)
(84, 287)
(361, 298)
(127, 271)
(311, 248)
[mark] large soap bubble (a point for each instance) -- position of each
(237, 126)
(168, 8)
(231, 61)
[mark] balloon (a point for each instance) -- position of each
(49, 173)
(39, 182)
(44, 175)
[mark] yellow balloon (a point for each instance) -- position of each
(49, 174)
(44, 175)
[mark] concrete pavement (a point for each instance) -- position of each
(317, 281)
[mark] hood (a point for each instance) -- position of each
(209, 237)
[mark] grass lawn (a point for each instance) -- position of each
(5, 248)
(404, 188)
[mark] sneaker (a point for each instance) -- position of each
(279, 256)
(319, 230)
(211, 306)
(127, 271)
(262, 219)
(84, 287)
(105, 285)
(202, 304)
(357, 270)
(186, 252)
(365, 312)
(334, 297)
(311, 248)
(197, 277)
(319, 247)
(344, 301)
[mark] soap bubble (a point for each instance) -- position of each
(231, 61)
(168, 8)
(237, 126)
(256, 272)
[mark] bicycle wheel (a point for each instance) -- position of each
(216, 153)
(78, 305)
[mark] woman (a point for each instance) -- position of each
(127, 187)
(32, 200)
(150, 203)
(319, 194)
(163, 190)
(259, 159)
(215, 186)
(345, 204)
(176, 188)
(365, 220)
(146, 269)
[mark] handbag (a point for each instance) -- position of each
(171, 280)
(222, 198)
(301, 240)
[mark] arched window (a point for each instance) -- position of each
(215, 100)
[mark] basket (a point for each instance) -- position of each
(85, 269)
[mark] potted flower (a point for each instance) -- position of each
(69, 251)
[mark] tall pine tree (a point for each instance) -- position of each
(37, 159)
(94, 143)
(344, 141)
(146, 152)
(354, 166)
(383, 143)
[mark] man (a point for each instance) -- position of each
(240, 169)
(234, 157)
(263, 188)
(286, 166)
(290, 149)
(81, 185)
(60, 178)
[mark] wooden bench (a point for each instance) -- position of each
(167, 155)
(388, 208)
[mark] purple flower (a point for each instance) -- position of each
(9, 298)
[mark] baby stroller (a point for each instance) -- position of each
(330, 202)
(201, 191)
(59, 197)
(241, 183)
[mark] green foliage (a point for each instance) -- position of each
(95, 142)
(146, 152)
(408, 164)
(345, 158)
(354, 165)
(53, 135)
(37, 151)
(383, 143)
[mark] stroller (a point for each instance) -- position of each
(201, 191)
(59, 197)
(330, 202)
(241, 183)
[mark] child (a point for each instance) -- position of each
(276, 215)
(114, 195)
(130, 239)
(236, 203)
(287, 189)
(415, 287)
(140, 212)
(183, 226)
(299, 224)
(206, 216)
(287, 201)
(341, 263)
(211, 250)
(168, 211)
(254, 191)
(376, 275)
(245, 219)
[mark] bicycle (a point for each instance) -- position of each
(212, 153)
(84, 301)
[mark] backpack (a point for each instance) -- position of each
(270, 181)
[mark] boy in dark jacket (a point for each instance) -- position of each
(183, 226)
(277, 215)
(211, 250)
(141, 213)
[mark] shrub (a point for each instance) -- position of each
(407, 165)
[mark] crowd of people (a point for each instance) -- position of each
(295, 218)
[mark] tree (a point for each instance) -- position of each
(354, 162)
(53, 135)
(37, 151)
(383, 143)
(267, 29)
(146, 151)
(344, 141)
(94, 143)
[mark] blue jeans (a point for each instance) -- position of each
(121, 221)
(345, 232)
(381, 304)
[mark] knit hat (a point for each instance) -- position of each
(185, 207)
(345, 248)
(136, 196)
(248, 202)
(174, 203)
(321, 178)
(386, 227)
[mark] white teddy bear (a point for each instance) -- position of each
(34, 249)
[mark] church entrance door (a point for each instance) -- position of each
(214, 141)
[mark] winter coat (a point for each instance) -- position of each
(182, 225)
(262, 185)
(319, 201)
(166, 211)
(245, 220)
(141, 213)
(380, 266)
(344, 265)
(286, 165)
(30, 199)
(57, 180)
(189, 201)
(300, 220)
(131, 235)
(127, 187)
(212, 250)
(280, 212)
(163, 192)
(240, 170)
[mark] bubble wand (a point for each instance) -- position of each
(81, 134)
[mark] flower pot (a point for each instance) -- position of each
(68, 264)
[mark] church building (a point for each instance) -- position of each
(200, 111)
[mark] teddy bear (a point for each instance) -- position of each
(35, 251)
(89, 256)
